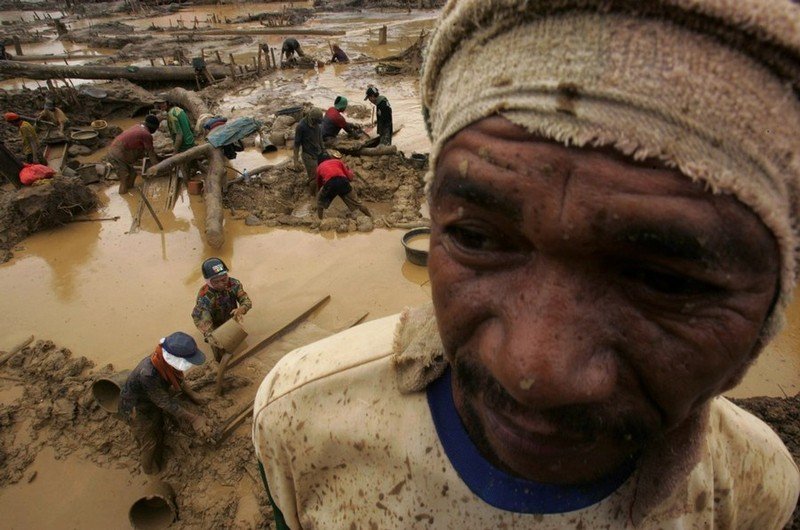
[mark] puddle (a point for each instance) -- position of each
(76, 493)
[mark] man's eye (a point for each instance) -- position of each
(470, 239)
(669, 283)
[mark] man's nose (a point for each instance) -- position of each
(552, 340)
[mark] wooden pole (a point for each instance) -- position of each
(272, 53)
(382, 35)
(17, 45)
(258, 68)
(15, 350)
(149, 207)
(219, 57)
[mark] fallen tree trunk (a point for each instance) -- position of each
(58, 57)
(212, 194)
(142, 73)
(377, 151)
(199, 151)
(189, 101)
(259, 31)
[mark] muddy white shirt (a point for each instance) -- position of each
(343, 448)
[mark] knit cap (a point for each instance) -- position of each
(709, 87)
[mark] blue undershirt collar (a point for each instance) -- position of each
(498, 488)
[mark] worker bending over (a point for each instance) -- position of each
(148, 394)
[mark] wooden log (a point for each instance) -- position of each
(212, 195)
(188, 100)
(193, 153)
(10, 69)
(13, 351)
(377, 151)
(260, 31)
(55, 57)
(382, 35)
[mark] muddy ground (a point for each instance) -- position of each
(57, 409)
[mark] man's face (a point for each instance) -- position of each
(586, 304)
(219, 283)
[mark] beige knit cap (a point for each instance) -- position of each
(707, 86)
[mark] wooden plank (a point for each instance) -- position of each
(234, 422)
(274, 335)
(355, 322)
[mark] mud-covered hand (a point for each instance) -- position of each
(213, 342)
(201, 427)
(150, 173)
(238, 313)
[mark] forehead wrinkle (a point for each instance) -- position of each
(477, 193)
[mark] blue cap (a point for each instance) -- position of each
(182, 345)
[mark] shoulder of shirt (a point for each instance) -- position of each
(203, 291)
(234, 282)
(334, 357)
(745, 446)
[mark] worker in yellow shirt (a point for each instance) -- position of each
(30, 141)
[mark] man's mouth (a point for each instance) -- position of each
(534, 435)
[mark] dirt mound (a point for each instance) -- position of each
(280, 196)
(30, 209)
(783, 415)
(57, 409)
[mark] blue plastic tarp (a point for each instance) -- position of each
(233, 131)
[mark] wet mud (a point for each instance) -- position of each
(56, 410)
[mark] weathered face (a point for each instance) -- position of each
(586, 304)
(219, 282)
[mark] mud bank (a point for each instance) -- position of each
(53, 203)
(54, 408)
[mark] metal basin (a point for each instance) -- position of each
(415, 253)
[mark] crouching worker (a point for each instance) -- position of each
(146, 395)
(219, 300)
(333, 180)
(129, 148)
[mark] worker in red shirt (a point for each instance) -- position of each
(129, 148)
(334, 121)
(333, 180)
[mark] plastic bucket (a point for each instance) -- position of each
(230, 335)
(155, 508)
(106, 390)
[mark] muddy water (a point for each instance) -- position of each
(77, 494)
(110, 295)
